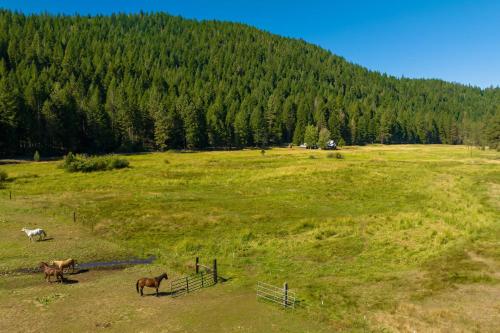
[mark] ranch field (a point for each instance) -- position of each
(386, 238)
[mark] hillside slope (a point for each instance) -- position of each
(156, 81)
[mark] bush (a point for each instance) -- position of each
(36, 157)
(263, 152)
(3, 176)
(84, 163)
(339, 156)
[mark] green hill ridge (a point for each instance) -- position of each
(155, 81)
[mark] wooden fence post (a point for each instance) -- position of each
(187, 284)
(197, 263)
(74, 216)
(10, 195)
(285, 295)
(215, 270)
(202, 284)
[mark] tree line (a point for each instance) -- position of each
(154, 81)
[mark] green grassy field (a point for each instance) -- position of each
(387, 238)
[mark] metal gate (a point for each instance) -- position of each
(281, 296)
(190, 283)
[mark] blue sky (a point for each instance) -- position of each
(452, 40)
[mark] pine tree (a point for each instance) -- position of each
(323, 138)
(311, 136)
(194, 84)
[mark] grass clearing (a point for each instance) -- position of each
(358, 238)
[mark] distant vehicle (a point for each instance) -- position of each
(331, 145)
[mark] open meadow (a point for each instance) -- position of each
(385, 238)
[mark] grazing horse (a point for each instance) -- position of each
(35, 232)
(51, 271)
(151, 283)
(62, 264)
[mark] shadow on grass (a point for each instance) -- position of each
(45, 239)
(79, 271)
(160, 293)
(222, 279)
(64, 281)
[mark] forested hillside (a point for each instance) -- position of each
(154, 81)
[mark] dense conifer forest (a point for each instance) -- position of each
(155, 81)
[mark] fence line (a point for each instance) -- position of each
(193, 282)
(282, 296)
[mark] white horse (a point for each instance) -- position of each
(35, 232)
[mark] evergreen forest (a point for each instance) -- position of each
(97, 84)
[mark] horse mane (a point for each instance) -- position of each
(163, 275)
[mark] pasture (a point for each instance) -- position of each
(387, 238)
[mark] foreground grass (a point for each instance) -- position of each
(359, 239)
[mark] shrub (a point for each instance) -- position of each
(36, 156)
(166, 161)
(118, 163)
(312, 157)
(263, 152)
(84, 163)
(3, 176)
(339, 156)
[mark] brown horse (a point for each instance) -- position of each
(151, 283)
(62, 264)
(49, 271)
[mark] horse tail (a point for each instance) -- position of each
(137, 286)
(44, 234)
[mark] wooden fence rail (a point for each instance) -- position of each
(282, 296)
